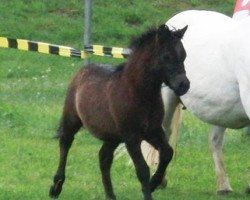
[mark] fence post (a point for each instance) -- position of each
(87, 25)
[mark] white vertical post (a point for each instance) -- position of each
(87, 24)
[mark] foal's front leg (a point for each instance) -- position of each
(157, 139)
(141, 167)
(105, 159)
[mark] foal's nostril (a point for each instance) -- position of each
(184, 84)
(180, 84)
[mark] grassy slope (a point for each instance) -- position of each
(32, 88)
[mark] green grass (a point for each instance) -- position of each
(32, 90)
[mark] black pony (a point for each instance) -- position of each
(125, 105)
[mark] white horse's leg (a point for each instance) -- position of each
(248, 130)
(216, 142)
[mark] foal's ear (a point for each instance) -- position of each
(163, 31)
(162, 28)
(180, 33)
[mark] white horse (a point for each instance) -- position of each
(218, 67)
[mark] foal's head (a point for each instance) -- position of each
(167, 55)
(171, 58)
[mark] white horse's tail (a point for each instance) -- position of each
(171, 128)
(175, 127)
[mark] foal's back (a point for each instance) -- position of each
(92, 86)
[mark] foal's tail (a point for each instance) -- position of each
(57, 134)
(70, 119)
(172, 135)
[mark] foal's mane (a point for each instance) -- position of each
(143, 39)
(120, 67)
(161, 32)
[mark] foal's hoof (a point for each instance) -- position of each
(248, 190)
(56, 189)
(157, 183)
(111, 198)
(224, 192)
(163, 184)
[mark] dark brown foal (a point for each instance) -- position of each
(125, 105)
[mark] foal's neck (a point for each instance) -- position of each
(141, 75)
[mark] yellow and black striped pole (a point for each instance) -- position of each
(41, 47)
(115, 52)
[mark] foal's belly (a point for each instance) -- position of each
(215, 98)
(93, 110)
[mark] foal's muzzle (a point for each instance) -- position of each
(180, 84)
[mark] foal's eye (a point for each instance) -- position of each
(165, 57)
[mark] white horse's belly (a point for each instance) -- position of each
(214, 98)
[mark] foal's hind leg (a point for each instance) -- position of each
(106, 158)
(68, 127)
(141, 167)
(157, 139)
